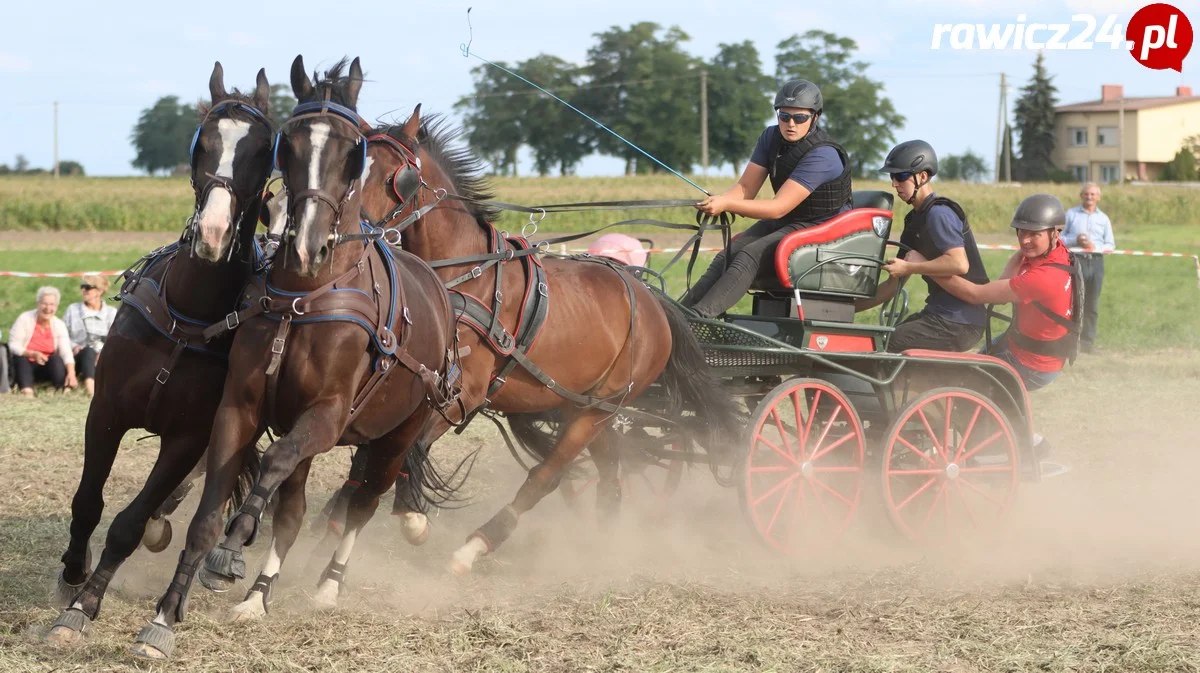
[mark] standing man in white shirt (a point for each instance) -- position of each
(1089, 228)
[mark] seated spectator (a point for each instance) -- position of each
(41, 346)
(88, 322)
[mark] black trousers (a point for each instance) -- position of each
(928, 331)
(27, 372)
(719, 289)
(85, 363)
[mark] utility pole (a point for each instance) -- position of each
(704, 120)
(55, 140)
(1121, 141)
(1001, 124)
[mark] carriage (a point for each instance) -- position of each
(938, 440)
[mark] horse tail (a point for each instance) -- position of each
(689, 384)
(423, 484)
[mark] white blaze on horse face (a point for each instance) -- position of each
(318, 136)
(362, 184)
(216, 215)
(278, 208)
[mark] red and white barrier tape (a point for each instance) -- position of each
(565, 250)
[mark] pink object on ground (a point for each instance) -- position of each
(620, 247)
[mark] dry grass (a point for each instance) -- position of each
(1097, 573)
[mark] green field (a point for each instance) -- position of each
(1147, 304)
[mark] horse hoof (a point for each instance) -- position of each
(459, 568)
(215, 583)
(415, 528)
(64, 592)
(69, 629)
(158, 535)
(250, 610)
(155, 641)
(326, 597)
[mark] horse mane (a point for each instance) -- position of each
(247, 99)
(437, 136)
(334, 81)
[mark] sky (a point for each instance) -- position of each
(105, 62)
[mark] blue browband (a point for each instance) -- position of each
(322, 106)
(254, 112)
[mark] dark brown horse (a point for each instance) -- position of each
(158, 372)
(588, 335)
(344, 339)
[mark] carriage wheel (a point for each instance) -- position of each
(949, 465)
(802, 477)
(647, 483)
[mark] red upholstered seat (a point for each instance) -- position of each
(846, 224)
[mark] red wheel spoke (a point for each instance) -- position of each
(938, 470)
(821, 506)
(773, 489)
(776, 449)
(983, 494)
(800, 511)
(989, 468)
(936, 499)
(932, 434)
(773, 468)
(837, 411)
(946, 430)
(966, 504)
(985, 442)
(846, 468)
(812, 413)
(833, 446)
(915, 493)
(784, 435)
(967, 435)
(915, 450)
(832, 491)
(778, 508)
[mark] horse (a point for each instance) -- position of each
(357, 346)
(157, 371)
(555, 333)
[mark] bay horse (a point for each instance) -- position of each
(579, 335)
(158, 372)
(351, 343)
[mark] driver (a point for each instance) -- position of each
(937, 228)
(810, 173)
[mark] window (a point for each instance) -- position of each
(1080, 173)
(1108, 136)
(1077, 136)
(1109, 173)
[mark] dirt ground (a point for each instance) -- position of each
(1096, 571)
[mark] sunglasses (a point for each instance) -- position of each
(798, 117)
(902, 177)
(85, 286)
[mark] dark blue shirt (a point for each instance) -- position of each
(819, 166)
(945, 231)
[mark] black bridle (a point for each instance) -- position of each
(218, 181)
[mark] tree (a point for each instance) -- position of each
(70, 168)
(737, 91)
(558, 137)
(492, 119)
(645, 88)
(163, 134)
(1035, 124)
(857, 114)
(21, 165)
(967, 167)
(281, 104)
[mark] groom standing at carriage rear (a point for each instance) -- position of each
(810, 173)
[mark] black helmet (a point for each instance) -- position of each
(911, 156)
(1039, 212)
(800, 93)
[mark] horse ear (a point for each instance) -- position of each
(216, 83)
(413, 125)
(262, 92)
(302, 86)
(355, 83)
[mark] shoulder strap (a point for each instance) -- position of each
(1071, 327)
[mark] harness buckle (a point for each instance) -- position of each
(543, 290)
(232, 321)
(499, 297)
(476, 272)
(296, 309)
(162, 377)
(407, 316)
(277, 346)
(395, 234)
